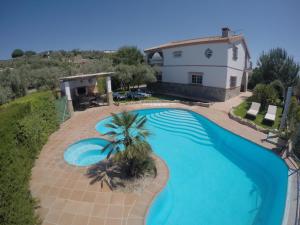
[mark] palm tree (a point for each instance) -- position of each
(128, 133)
(125, 129)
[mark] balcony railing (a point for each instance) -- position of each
(156, 62)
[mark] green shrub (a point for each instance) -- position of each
(293, 117)
(264, 94)
(25, 125)
(101, 85)
(136, 160)
(279, 87)
(296, 142)
(17, 53)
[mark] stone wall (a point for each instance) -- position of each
(194, 92)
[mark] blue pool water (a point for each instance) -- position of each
(216, 177)
(86, 152)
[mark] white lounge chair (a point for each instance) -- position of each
(254, 109)
(271, 113)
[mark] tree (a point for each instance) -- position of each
(125, 129)
(29, 53)
(129, 146)
(293, 117)
(17, 53)
(124, 75)
(275, 65)
(143, 74)
(279, 87)
(128, 55)
(101, 85)
(264, 94)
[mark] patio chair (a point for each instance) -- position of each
(254, 109)
(271, 113)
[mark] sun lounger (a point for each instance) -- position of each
(254, 109)
(271, 114)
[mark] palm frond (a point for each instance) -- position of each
(111, 125)
(111, 133)
(141, 123)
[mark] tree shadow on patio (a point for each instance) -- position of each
(106, 172)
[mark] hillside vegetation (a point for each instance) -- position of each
(30, 71)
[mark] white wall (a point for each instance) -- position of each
(78, 83)
(240, 62)
(193, 59)
(212, 76)
(195, 55)
(236, 67)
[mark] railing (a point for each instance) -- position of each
(156, 61)
(297, 220)
(62, 109)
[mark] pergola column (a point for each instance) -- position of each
(110, 100)
(69, 97)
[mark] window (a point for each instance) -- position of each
(234, 52)
(159, 77)
(232, 82)
(177, 54)
(196, 78)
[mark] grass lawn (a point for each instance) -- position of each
(242, 109)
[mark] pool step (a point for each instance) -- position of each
(193, 133)
(162, 118)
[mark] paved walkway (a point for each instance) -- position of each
(67, 198)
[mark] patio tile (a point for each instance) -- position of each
(100, 210)
(135, 221)
(89, 196)
(53, 216)
(130, 199)
(80, 220)
(76, 195)
(96, 221)
(115, 211)
(66, 219)
(117, 198)
(113, 222)
(103, 198)
(65, 193)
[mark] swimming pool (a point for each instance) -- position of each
(216, 177)
(86, 152)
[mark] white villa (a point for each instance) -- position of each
(211, 68)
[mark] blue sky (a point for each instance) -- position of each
(94, 24)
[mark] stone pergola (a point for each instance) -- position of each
(85, 80)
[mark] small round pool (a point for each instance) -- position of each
(86, 152)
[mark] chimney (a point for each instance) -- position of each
(225, 32)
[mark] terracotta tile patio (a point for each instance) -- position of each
(67, 198)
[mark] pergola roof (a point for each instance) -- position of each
(87, 76)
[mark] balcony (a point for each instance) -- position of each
(158, 62)
(156, 59)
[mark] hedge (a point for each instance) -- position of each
(25, 125)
